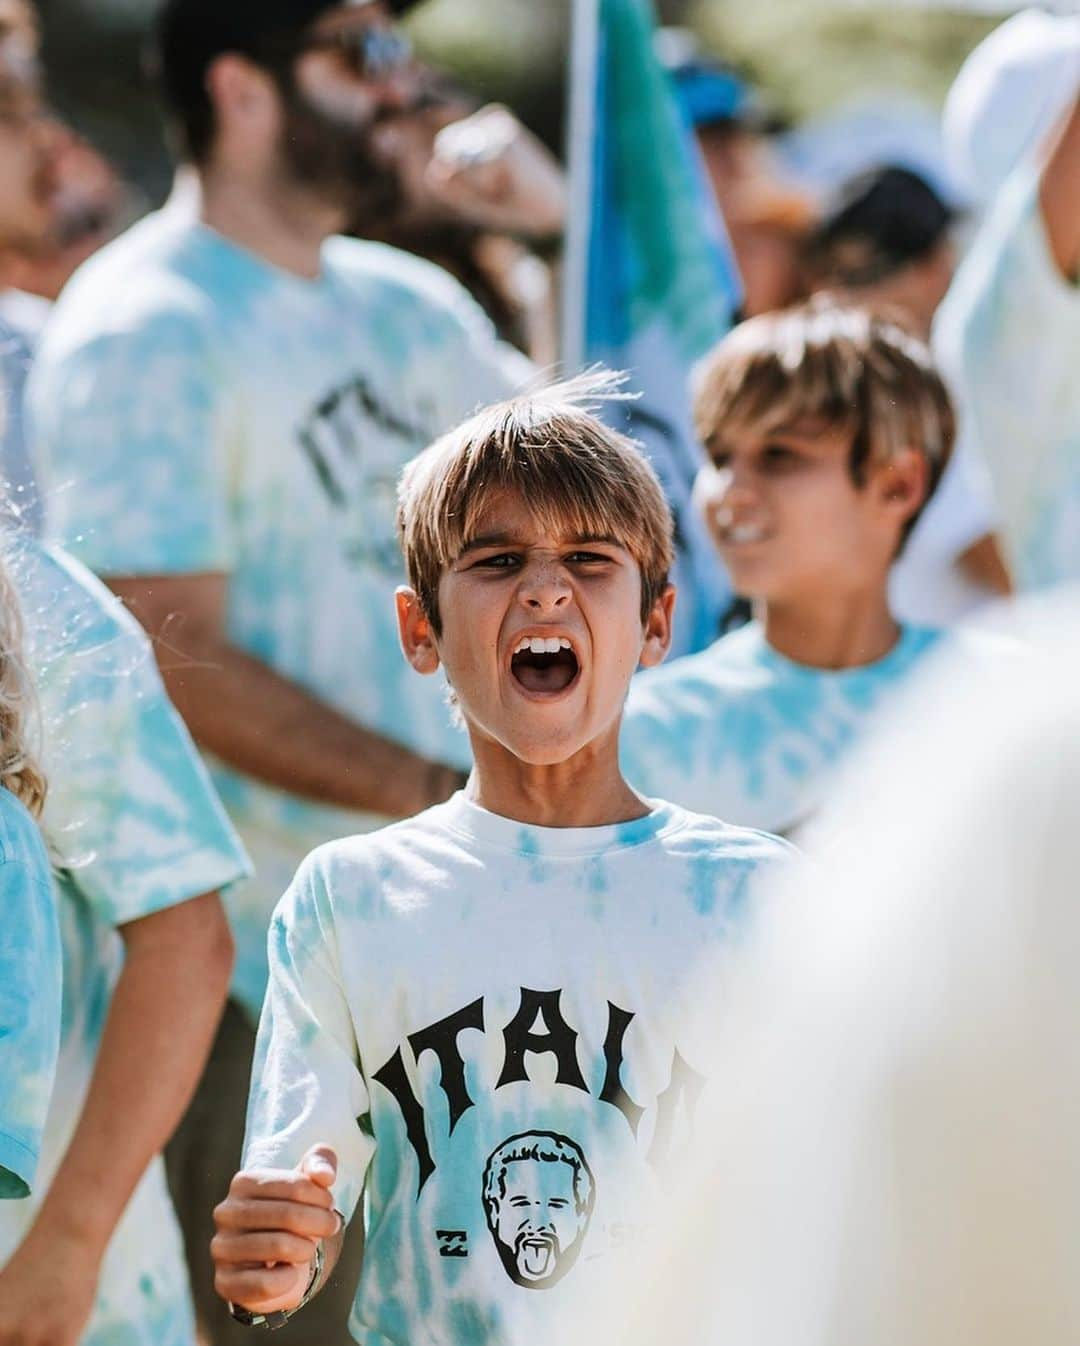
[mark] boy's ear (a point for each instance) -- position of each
(658, 629)
(902, 483)
(415, 633)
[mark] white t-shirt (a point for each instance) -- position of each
(204, 411)
(492, 1024)
(1008, 336)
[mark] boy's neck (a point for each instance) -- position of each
(587, 790)
(831, 634)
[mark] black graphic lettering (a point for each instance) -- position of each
(452, 1242)
(559, 1039)
(684, 1088)
(441, 1038)
(538, 1193)
(619, 1021)
(392, 1076)
(356, 445)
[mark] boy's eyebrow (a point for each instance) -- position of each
(511, 539)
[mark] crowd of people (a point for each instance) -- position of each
(299, 423)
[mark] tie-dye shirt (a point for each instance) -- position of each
(742, 733)
(29, 995)
(1008, 335)
(204, 411)
(499, 1029)
(136, 828)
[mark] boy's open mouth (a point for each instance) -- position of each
(544, 665)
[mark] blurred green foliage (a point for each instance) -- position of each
(809, 54)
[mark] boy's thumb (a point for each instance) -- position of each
(320, 1165)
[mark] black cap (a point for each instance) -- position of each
(877, 222)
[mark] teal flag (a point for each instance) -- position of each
(660, 285)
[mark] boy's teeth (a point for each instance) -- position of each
(542, 645)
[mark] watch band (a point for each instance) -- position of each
(272, 1321)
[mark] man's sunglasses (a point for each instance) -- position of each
(371, 53)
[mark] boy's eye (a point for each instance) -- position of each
(503, 560)
(587, 558)
(778, 455)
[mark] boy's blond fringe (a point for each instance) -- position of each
(20, 729)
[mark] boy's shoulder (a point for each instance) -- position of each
(701, 837)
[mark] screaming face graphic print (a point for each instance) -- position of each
(538, 1198)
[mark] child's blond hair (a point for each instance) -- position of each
(574, 473)
(19, 769)
(835, 365)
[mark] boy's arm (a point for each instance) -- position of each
(261, 723)
(1059, 197)
(162, 1018)
(268, 1230)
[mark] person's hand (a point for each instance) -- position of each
(268, 1228)
(47, 1293)
(494, 173)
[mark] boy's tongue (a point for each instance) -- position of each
(545, 672)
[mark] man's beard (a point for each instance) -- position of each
(336, 159)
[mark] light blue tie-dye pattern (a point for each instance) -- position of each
(1009, 337)
(237, 418)
(461, 912)
(135, 826)
(744, 734)
(30, 965)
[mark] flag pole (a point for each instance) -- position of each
(580, 141)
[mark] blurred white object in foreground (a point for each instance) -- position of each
(1009, 93)
(890, 1155)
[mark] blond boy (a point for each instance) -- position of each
(481, 1019)
(828, 429)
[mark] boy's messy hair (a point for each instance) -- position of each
(575, 474)
(833, 364)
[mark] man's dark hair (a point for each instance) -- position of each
(191, 34)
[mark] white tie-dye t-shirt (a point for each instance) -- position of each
(136, 828)
(499, 1028)
(30, 966)
(745, 734)
(1008, 336)
(204, 411)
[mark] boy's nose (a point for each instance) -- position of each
(544, 588)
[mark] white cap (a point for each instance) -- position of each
(1009, 93)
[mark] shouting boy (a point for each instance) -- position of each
(485, 1018)
(828, 430)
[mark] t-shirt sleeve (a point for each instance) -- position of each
(306, 1085)
(30, 980)
(132, 425)
(1006, 339)
(131, 810)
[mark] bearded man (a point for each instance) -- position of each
(226, 396)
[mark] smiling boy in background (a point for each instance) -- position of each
(828, 430)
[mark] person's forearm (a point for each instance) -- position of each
(162, 1019)
(1059, 196)
(269, 728)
